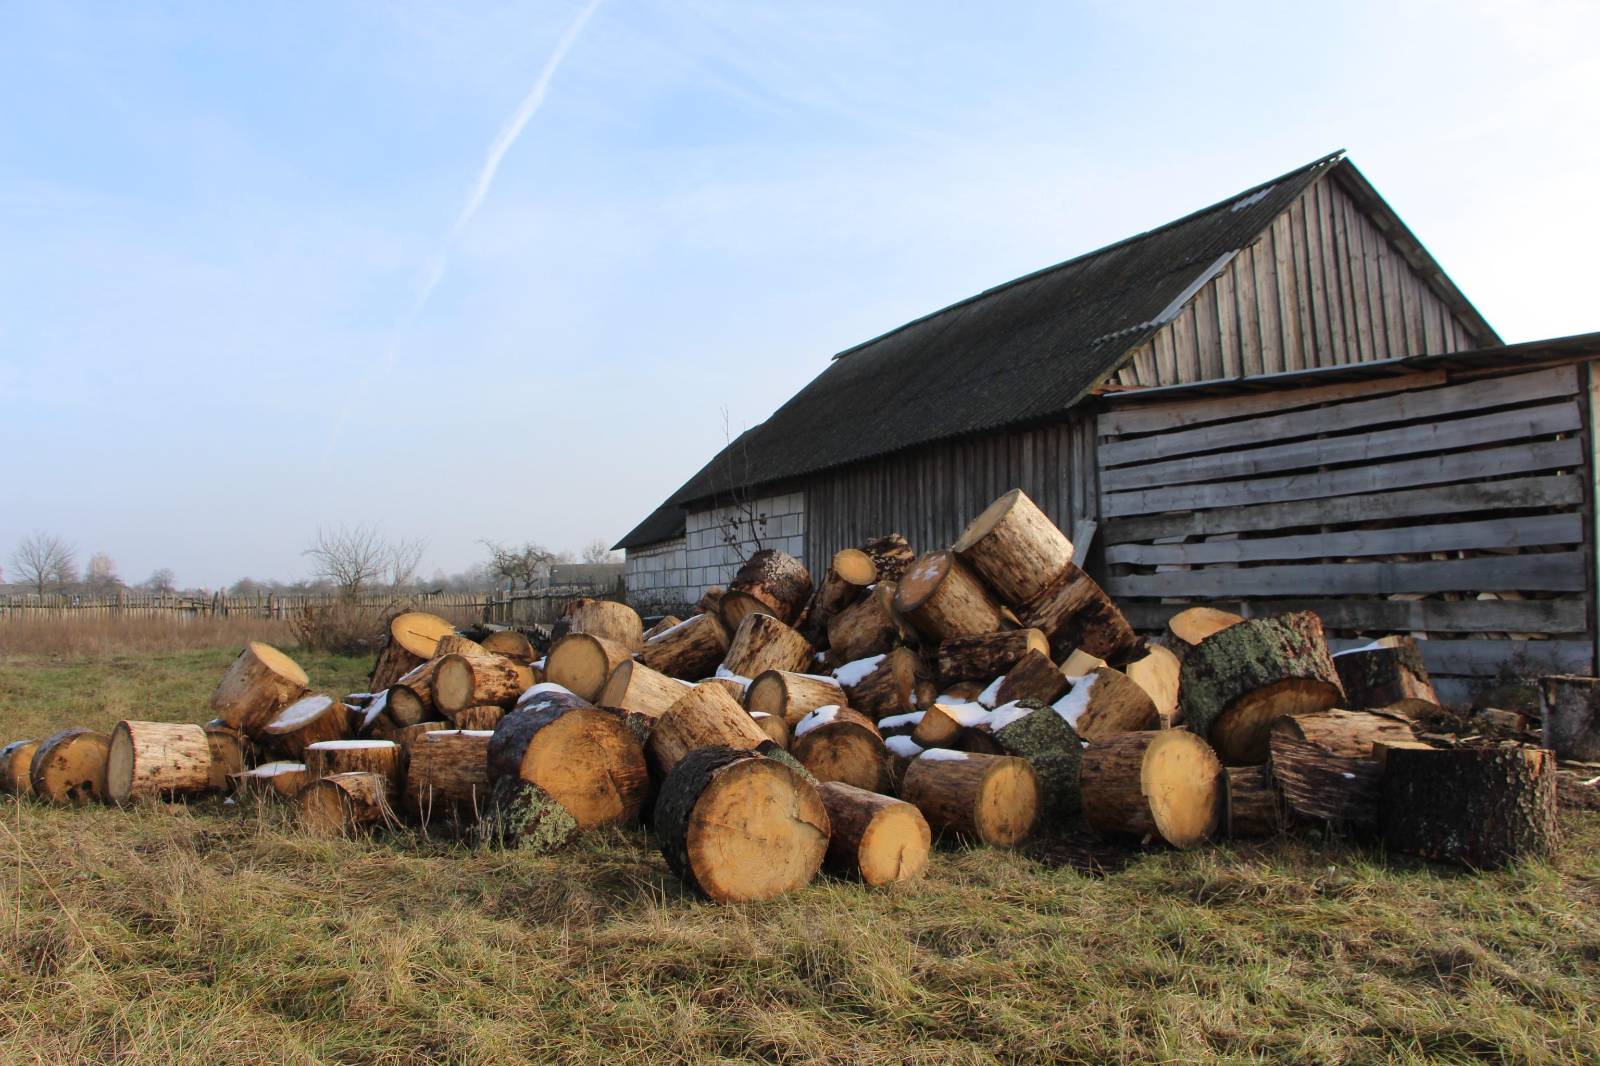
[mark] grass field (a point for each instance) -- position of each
(217, 934)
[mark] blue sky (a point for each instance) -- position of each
(216, 219)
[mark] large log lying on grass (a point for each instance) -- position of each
(1106, 702)
(1326, 764)
(413, 637)
(1238, 681)
(689, 650)
(447, 775)
(1386, 673)
(260, 683)
(584, 758)
(582, 663)
(344, 804)
(763, 642)
(69, 768)
(1571, 711)
(1077, 615)
(839, 744)
(703, 717)
(994, 799)
(616, 622)
(943, 598)
(15, 759)
(771, 581)
(1479, 807)
(304, 722)
(739, 826)
(791, 696)
(1166, 782)
(987, 655)
(146, 760)
(462, 681)
(1015, 548)
(877, 838)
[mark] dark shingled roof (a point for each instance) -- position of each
(1019, 352)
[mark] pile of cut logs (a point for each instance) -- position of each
(984, 692)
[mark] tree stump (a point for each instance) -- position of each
(943, 598)
(990, 798)
(447, 775)
(260, 683)
(15, 759)
(1571, 711)
(704, 717)
(771, 581)
(305, 722)
(1015, 548)
(582, 663)
(689, 650)
(584, 758)
(1326, 764)
(344, 804)
(839, 744)
(791, 696)
(763, 642)
(1166, 783)
(987, 655)
(146, 760)
(877, 838)
(1076, 614)
(1478, 807)
(1386, 673)
(739, 826)
(69, 768)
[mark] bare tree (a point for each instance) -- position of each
(350, 559)
(45, 560)
(598, 551)
(405, 556)
(741, 523)
(162, 580)
(522, 566)
(101, 574)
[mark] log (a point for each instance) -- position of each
(616, 622)
(1189, 627)
(1386, 673)
(456, 644)
(1034, 677)
(1165, 782)
(903, 751)
(1327, 765)
(633, 686)
(734, 687)
(990, 798)
(385, 758)
(1255, 805)
(776, 729)
(1570, 707)
(689, 650)
(738, 826)
(483, 716)
(462, 681)
(582, 663)
(260, 683)
(791, 696)
(882, 686)
(584, 758)
(704, 717)
(413, 636)
(1478, 807)
(1015, 548)
(1038, 734)
(1106, 703)
(867, 627)
(69, 768)
(305, 722)
(763, 643)
(275, 780)
(15, 759)
(987, 655)
(523, 815)
(891, 556)
(1238, 681)
(1157, 672)
(410, 699)
(406, 736)
(943, 598)
(447, 775)
(770, 580)
(877, 838)
(1080, 664)
(1076, 614)
(666, 623)
(344, 804)
(942, 724)
(149, 760)
(848, 576)
(838, 744)
(511, 644)
(710, 600)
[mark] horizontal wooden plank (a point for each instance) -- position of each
(1542, 572)
(1430, 470)
(1483, 658)
(1559, 383)
(1134, 416)
(1566, 615)
(1521, 532)
(1473, 497)
(1521, 423)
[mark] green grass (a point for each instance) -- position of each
(218, 934)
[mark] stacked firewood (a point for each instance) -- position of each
(983, 692)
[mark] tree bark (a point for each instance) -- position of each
(633, 686)
(345, 804)
(584, 758)
(842, 745)
(703, 717)
(1387, 673)
(275, 780)
(15, 759)
(1054, 750)
(889, 688)
(1571, 712)
(763, 643)
(483, 716)
(1080, 664)
(69, 768)
(385, 758)
(1255, 805)
(447, 776)
(305, 722)
(891, 556)
(791, 696)
(1166, 783)
(1015, 548)
(1034, 677)
(990, 798)
(1327, 766)
(776, 729)
(462, 681)
(1478, 807)
(1106, 703)
(988, 655)
(1239, 680)
(511, 644)
(943, 598)
(771, 581)
(456, 644)
(146, 760)
(582, 663)
(877, 838)
(522, 815)
(739, 826)
(616, 622)
(688, 651)
(260, 683)
(666, 623)
(867, 627)
(1076, 615)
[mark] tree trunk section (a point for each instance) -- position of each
(791, 696)
(305, 722)
(1571, 713)
(771, 581)
(69, 768)
(462, 681)
(1034, 677)
(393, 663)
(1106, 703)
(447, 775)
(763, 643)
(666, 623)
(483, 716)
(889, 688)
(456, 644)
(275, 780)
(704, 717)
(413, 636)
(841, 586)
(839, 744)
(582, 663)
(260, 683)
(1386, 673)
(386, 758)
(867, 627)
(1166, 783)
(1015, 548)
(990, 798)
(15, 759)
(584, 758)
(943, 598)
(891, 556)
(1041, 736)
(147, 760)
(1157, 672)
(633, 686)
(877, 838)
(689, 650)
(1238, 681)
(988, 655)
(1189, 627)
(776, 729)
(738, 826)
(1077, 615)
(1327, 766)
(1255, 805)
(1080, 664)
(1478, 807)
(523, 815)
(511, 644)
(345, 804)
(616, 622)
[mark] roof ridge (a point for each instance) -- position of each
(1330, 158)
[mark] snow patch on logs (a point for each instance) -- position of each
(1074, 703)
(903, 746)
(820, 716)
(853, 673)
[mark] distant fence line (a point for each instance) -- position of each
(537, 606)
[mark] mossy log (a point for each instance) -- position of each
(1478, 807)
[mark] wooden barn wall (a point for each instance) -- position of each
(1455, 507)
(1321, 286)
(929, 494)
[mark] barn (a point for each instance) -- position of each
(1278, 402)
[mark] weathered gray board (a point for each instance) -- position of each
(1385, 505)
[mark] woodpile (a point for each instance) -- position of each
(979, 693)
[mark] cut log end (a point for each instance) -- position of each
(1242, 734)
(877, 838)
(991, 798)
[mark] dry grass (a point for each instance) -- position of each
(218, 934)
(71, 638)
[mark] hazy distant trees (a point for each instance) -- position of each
(162, 580)
(100, 576)
(522, 566)
(45, 561)
(355, 559)
(598, 551)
